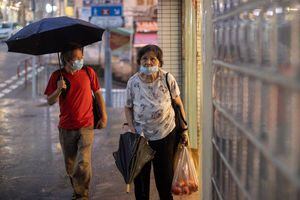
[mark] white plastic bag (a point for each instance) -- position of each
(185, 179)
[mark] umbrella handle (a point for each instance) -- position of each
(59, 64)
(127, 188)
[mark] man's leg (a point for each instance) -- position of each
(83, 167)
(68, 141)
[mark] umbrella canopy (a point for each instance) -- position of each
(51, 35)
(133, 153)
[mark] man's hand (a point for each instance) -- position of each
(103, 120)
(61, 84)
(102, 123)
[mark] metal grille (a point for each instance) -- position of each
(199, 69)
(118, 97)
(169, 36)
(256, 98)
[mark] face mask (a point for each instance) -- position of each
(148, 70)
(77, 64)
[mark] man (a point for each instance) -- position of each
(73, 86)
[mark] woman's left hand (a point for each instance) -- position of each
(184, 126)
(184, 139)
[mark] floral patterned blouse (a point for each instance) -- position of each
(153, 114)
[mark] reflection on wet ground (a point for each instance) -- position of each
(31, 162)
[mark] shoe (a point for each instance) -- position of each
(79, 197)
(73, 196)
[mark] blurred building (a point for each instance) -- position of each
(27, 11)
(10, 10)
(139, 10)
(139, 29)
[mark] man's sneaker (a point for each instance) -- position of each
(73, 196)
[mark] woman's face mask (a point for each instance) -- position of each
(77, 64)
(149, 63)
(148, 70)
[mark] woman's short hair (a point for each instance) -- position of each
(67, 54)
(148, 48)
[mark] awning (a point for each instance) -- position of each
(142, 39)
(122, 31)
(119, 37)
(148, 26)
(117, 40)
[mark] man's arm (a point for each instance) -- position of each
(103, 120)
(129, 118)
(53, 98)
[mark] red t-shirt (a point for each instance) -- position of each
(76, 108)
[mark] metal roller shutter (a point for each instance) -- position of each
(169, 36)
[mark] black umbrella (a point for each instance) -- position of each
(51, 35)
(133, 153)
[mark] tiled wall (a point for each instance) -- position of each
(199, 64)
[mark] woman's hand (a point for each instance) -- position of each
(129, 118)
(132, 129)
(184, 126)
(126, 127)
(184, 139)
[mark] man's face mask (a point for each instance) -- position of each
(77, 64)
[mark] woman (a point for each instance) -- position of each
(149, 111)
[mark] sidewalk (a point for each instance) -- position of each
(107, 181)
(31, 161)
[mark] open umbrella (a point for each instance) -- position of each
(133, 153)
(51, 35)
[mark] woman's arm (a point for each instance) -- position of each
(180, 104)
(129, 118)
(184, 136)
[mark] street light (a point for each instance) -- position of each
(49, 8)
(18, 4)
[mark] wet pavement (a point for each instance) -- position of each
(9, 62)
(31, 164)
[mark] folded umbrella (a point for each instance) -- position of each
(133, 153)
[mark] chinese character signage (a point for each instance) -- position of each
(100, 2)
(107, 10)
